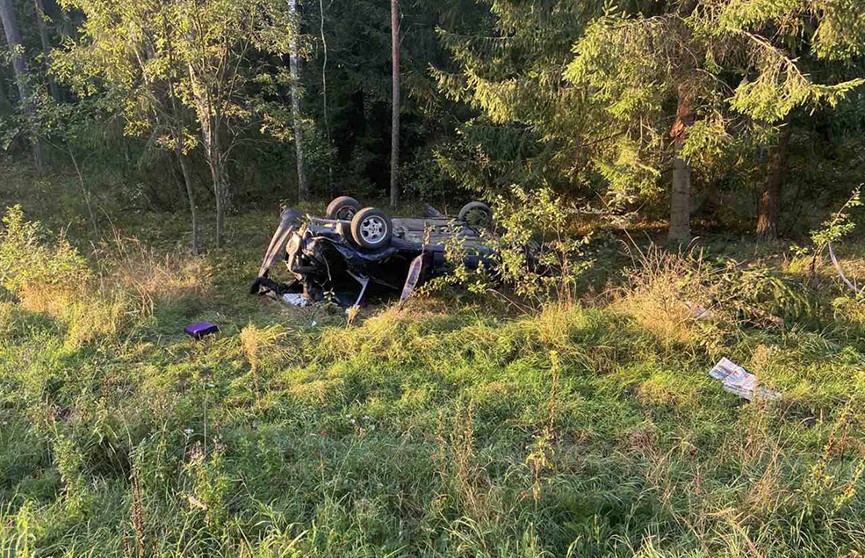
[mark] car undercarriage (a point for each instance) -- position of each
(354, 249)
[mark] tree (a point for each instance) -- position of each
(776, 171)
(347, 88)
(181, 62)
(635, 65)
(508, 64)
(294, 53)
(132, 54)
(41, 16)
(394, 123)
(22, 77)
(651, 89)
(224, 45)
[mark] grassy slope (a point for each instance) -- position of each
(447, 429)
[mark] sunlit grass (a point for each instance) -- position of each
(444, 428)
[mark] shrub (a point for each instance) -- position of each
(536, 254)
(48, 275)
(685, 297)
(28, 258)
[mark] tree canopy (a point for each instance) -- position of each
(646, 110)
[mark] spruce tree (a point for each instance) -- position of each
(649, 90)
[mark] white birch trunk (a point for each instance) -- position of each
(19, 65)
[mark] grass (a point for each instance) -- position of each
(452, 427)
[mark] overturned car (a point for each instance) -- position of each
(354, 248)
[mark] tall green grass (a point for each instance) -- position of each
(441, 429)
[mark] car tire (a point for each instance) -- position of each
(371, 228)
(342, 208)
(476, 215)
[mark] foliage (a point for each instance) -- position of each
(535, 253)
(840, 225)
(589, 94)
(558, 406)
(26, 259)
(540, 256)
(172, 64)
(705, 300)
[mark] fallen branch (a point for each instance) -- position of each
(840, 270)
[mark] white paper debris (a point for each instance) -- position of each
(739, 381)
(699, 312)
(295, 299)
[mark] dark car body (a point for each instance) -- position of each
(322, 258)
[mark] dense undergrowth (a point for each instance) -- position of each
(451, 427)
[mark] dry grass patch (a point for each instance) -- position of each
(47, 275)
(150, 277)
(665, 295)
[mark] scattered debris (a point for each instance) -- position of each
(699, 312)
(739, 381)
(295, 299)
(201, 329)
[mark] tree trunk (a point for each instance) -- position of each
(190, 195)
(5, 103)
(680, 202)
(394, 129)
(680, 196)
(19, 64)
(215, 161)
(46, 48)
(220, 191)
(209, 126)
(713, 202)
(302, 185)
(178, 132)
(331, 185)
(770, 201)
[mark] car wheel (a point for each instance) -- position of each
(342, 208)
(476, 214)
(371, 228)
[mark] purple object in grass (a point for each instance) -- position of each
(199, 330)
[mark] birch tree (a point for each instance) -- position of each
(185, 69)
(22, 77)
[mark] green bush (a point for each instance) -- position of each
(29, 257)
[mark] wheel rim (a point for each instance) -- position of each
(373, 229)
(345, 213)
